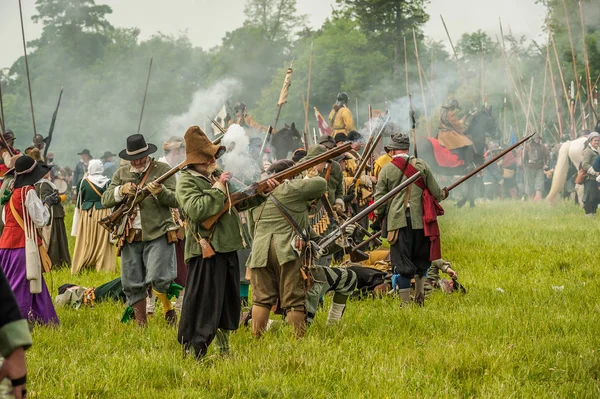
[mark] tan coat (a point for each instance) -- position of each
(452, 131)
(343, 122)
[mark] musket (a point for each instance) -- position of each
(488, 163)
(217, 124)
(264, 144)
(374, 237)
(258, 187)
(366, 155)
(113, 222)
(145, 93)
(52, 123)
(357, 255)
(334, 235)
(413, 124)
(27, 70)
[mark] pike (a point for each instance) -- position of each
(264, 144)
(413, 123)
(421, 84)
(2, 139)
(307, 103)
(52, 123)
(366, 155)
(337, 233)
(259, 186)
(485, 165)
(145, 93)
(27, 70)
(1, 103)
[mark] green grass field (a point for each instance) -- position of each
(512, 335)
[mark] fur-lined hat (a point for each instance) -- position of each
(198, 148)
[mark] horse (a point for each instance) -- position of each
(482, 125)
(285, 141)
(569, 150)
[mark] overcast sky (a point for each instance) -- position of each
(206, 21)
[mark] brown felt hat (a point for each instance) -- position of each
(198, 148)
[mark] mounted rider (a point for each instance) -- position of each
(340, 117)
(245, 120)
(452, 130)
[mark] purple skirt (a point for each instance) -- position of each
(37, 308)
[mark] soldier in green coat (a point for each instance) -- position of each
(591, 195)
(211, 306)
(276, 260)
(147, 257)
(409, 247)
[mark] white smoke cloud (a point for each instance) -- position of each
(238, 159)
(205, 103)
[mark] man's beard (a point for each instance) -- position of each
(140, 169)
(211, 168)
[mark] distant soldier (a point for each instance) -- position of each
(340, 117)
(412, 248)
(452, 130)
(245, 120)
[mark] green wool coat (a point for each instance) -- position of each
(389, 177)
(199, 200)
(335, 185)
(587, 160)
(269, 223)
(154, 211)
(88, 197)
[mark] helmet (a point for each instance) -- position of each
(9, 135)
(239, 107)
(342, 99)
(453, 104)
(38, 139)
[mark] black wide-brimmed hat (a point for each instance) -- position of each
(29, 171)
(85, 152)
(107, 154)
(137, 148)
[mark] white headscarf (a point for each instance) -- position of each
(95, 170)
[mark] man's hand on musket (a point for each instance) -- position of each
(225, 177)
(128, 189)
(155, 188)
(453, 275)
(271, 185)
(445, 193)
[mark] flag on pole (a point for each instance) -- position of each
(323, 126)
(283, 96)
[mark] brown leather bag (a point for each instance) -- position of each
(581, 175)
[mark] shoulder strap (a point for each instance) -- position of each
(93, 186)
(147, 174)
(289, 218)
(16, 215)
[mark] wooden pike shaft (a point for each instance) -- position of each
(145, 93)
(27, 70)
(1, 103)
(421, 83)
(590, 97)
(553, 82)
(529, 107)
(544, 99)
(306, 124)
(458, 66)
(405, 69)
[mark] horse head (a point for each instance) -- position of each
(286, 140)
(482, 125)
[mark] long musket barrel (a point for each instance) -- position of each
(264, 144)
(217, 125)
(365, 242)
(367, 154)
(488, 163)
(255, 188)
(333, 236)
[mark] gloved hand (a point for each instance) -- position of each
(376, 224)
(128, 189)
(52, 199)
(155, 188)
(350, 229)
(445, 194)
